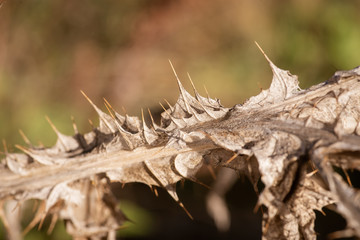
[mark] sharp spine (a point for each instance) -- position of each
(100, 113)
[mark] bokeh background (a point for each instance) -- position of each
(50, 50)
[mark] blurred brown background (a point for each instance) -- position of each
(50, 50)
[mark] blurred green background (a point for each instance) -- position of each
(50, 50)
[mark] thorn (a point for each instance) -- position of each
(117, 115)
(182, 183)
(41, 222)
(123, 133)
(38, 216)
(108, 106)
(74, 125)
(256, 208)
(320, 210)
(193, 85)
(200, 183)
(207, 112)
(60, 138)
(52, 125)
(232, 158)
(164, 109)
(172, 67)
(266, 228)
(154, 126)
(91, 123)
(186, 211)
(181, 88)
(171, 108)
(347, 177)
(107, 102)
(52, 223)
(262, 51)
(207, 93)
(35, 206)
(191, 81)
(87, 98)
(121, 130)
(198, 97)
(24, 149)
(100, 113)
(143, 121)
(123, 185)
(312, 173)
(142, 116)
(26, 140)
(154, 190)
(171, 117)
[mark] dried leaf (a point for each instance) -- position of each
(277, 137)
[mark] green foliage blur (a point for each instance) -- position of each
(50, 50)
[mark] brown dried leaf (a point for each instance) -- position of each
(275, 136)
